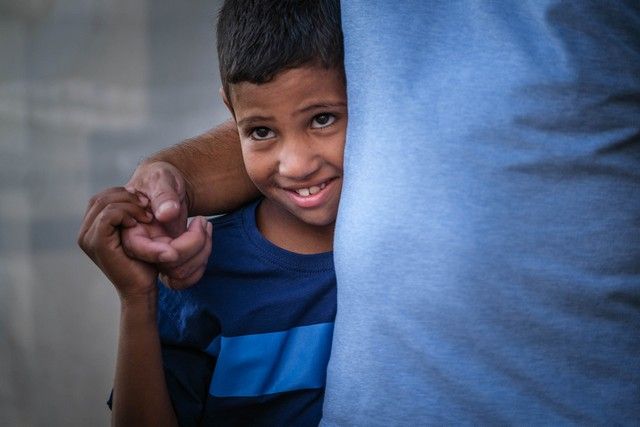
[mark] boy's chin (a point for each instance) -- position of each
(318, 221)
(324, 223)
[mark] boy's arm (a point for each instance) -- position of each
(140, 395)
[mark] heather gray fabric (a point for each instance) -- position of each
(488, 239)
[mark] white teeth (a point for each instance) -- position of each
(305, 192)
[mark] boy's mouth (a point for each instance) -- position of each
(305, 192)
(312, 196)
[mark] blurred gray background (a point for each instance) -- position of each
(87, 88)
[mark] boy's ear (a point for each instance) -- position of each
(223, 95)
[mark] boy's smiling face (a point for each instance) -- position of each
(292, 132)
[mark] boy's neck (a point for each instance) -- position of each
(288, 232)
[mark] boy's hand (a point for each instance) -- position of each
(165, 188)
(183, 262)
(108, 213)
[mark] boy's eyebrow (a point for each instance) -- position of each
(254, 119)
(321, 105)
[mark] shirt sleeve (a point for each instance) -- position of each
(185, 327)
(187, 372)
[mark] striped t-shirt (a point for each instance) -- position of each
(249, 343)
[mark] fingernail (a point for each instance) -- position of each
(143, 199)
(165, 257)
(165, 206)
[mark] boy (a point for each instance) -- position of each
(249, 343)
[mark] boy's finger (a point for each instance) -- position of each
(116, 215)
(111, 195)
(101, 200)
(192, 241)
(134, 211)
(95, 205)
(186, 270)
(142, 247)
(191, 269)
(179, 284)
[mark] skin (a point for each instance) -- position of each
(288, 142)
(202, 175)
(140, 395)
(292, 132)
(178, 180)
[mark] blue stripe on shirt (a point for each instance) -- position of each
(275, 362)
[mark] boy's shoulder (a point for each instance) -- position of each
(230, 221)
(232, 231)
(239, 244)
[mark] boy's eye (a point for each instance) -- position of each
(323, 120)
(262, 133)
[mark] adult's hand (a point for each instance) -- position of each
(165, 187)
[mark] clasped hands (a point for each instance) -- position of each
(137, 232)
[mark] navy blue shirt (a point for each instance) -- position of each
(249, 343)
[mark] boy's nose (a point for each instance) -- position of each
(298, 160)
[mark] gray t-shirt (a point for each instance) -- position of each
(488, 240)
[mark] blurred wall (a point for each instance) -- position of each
(87, 87)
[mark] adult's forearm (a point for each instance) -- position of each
(215, 178)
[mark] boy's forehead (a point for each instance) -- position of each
(300, 81)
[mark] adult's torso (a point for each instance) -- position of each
(488, 241)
